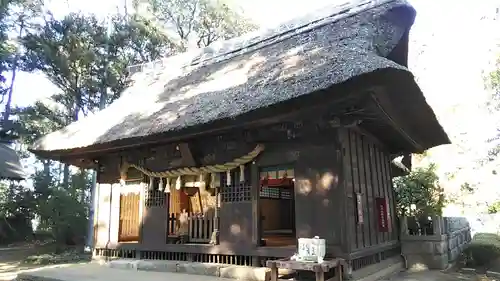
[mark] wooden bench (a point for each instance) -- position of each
(337, 264)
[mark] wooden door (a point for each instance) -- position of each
(129, 217)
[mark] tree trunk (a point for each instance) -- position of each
(83, 181)
(66, 176)
(13, 79)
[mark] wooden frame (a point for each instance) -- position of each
(337, 264)
(355, 168)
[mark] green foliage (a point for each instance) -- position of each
(484, 249)
(59, 257)
(78, 56)
(200, 21)
(492, 82)
(494, 208)
(6, 47)
(16, 205)
(419, 189)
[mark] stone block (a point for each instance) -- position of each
(467, 270)
(427, 261)
(493, 274)
(123, 264)
(453, 254)
(416, 247)
(159, 266)
(244, 273)
(440, 247)
(452, 243)
(209, 269)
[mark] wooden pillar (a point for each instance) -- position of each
(95, 222)
(115, 213)
(102, 215)
(214, 240)
(255, 193)
(346, 234)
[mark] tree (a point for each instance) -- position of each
(60, 206)
(492, 83)
(494, 208)
(200, 22)
(419, 193)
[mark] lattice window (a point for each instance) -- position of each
(276, 193)
(237, 191)
(286, 194)
(270, 192)
(154, 197)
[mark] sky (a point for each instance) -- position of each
(456, 40)
(449, 18)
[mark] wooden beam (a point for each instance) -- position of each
(394, 124)
(266, 116)
(187, 155)
(255, 193)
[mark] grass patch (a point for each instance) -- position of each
(484, 249)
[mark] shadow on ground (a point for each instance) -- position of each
(436, 276)
(15, 260)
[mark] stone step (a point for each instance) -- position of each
(208, 269)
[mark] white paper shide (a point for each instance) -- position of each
(311, 249)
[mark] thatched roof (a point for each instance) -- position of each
(245, 74)
(10, 165)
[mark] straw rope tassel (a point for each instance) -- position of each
(160, 184)
(212, 181)
(203, 184)
(228, 177)
(242, 173)
(167, 186)
(151, 182)
(178, 183)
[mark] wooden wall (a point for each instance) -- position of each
(318, 195)
(236, 211)
(330, 168)
(367, 172)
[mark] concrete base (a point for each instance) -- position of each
(207, 269)
(378, 271)
(168, 270)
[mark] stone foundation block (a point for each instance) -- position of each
(493, 274)
(199, 268)
(440, 247)
(159, 266)
(427, 261)
(124, 264)
(244, 273)
(417, 247)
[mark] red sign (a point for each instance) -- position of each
(383, 215)
(359, 207)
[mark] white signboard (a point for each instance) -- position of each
(311, 249)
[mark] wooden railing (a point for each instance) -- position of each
(200, 228)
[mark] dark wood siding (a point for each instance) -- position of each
(366, 172)
(319, 199)
(318, 195)
(236, 211)
(155, 217)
